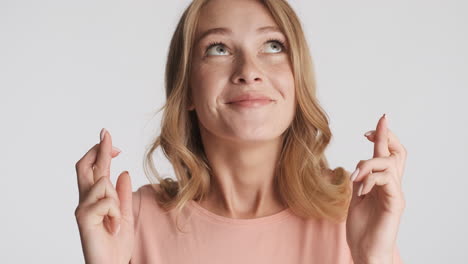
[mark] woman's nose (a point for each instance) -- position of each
(247, 72)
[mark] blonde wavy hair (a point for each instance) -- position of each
(304, 180)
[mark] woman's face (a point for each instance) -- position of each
(242, 59)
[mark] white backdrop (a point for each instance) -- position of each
(69, 68)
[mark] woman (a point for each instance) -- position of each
(247, 145)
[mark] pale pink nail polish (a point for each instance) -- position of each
(360, 189)
(355, 174)
(116, 149)
(370, 132)
(103, 131)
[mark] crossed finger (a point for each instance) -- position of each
(103, 158)
(384, 179)
(365, 167)
(396, 149)
(85, 166)
(394, 145)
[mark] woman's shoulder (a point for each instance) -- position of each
(146, 193)
(144, 196)
(150, 187)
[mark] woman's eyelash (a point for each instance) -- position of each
(212, 44)
(282, 44)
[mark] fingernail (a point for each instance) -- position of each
(385, 117)
(116, 149)
(360, 189)
(354, 175)
(103, 132)
(117, 230)
(370, 132)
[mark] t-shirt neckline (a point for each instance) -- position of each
(205, 213)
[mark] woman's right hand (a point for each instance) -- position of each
(102, 208)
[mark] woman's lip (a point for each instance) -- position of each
(248, 97)
(251, 103)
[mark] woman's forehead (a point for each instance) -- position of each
(222, 17)
(228, 13)
(224, 31)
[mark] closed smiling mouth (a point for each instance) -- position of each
(249, 97)
(251, 100)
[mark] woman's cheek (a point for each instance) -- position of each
(205, 71)
(284, 83)
(277, 64)
(209, 83)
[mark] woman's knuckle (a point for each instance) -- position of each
(78, 165)
(361, 164)
(366, 165)
(79, 212)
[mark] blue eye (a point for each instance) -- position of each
(221, 47)
(217, 43)
(279, 44)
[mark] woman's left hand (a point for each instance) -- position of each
(374, 217)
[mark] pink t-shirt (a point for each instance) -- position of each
(209, 238)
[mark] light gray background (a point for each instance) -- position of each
(69, 68)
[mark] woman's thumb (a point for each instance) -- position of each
(124, 191)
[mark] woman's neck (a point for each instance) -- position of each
(243, 177)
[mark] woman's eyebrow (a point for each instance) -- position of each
(227, 31)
